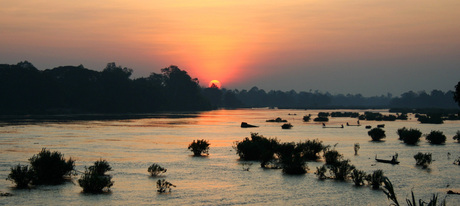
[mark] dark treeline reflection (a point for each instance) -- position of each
(74, 89)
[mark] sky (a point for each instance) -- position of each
(338, 46)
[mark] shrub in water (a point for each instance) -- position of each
(164, 186)
(332, 157)
(375, 179)
(292, 158)
(436, 137)
(409, 136)
(50, 167)
(156, 170)
(358, 177)
(321, 172)
(199, 147)
(312, 148)
(21, 175)
(341, 170)
(376, 134)
(457, 136)
(423, 159)
(257, 148)
(94, 180)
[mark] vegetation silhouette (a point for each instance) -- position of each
(375, 179)
(199, 147)
(50, 168)
(95, 179)
(457, 136)
(436, 137)
(423, 159)
(21, 175)
(77, 90)
(409, 136)
(377, 134)
(388, 189)
(156, 169)
(164, 186)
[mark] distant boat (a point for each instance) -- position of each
(394, 159)
(287, 126)
(354, 124)
(324, 126)
(381, 125)
(246, 125)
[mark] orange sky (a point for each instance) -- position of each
(337, 46)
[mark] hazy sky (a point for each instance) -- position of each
(343, 46)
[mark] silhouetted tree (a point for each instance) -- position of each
(457, 93)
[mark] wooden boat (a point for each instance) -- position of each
(324, 126)
(354, 124)
(246, 125)
(393, 160)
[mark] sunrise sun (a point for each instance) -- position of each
(215, 83)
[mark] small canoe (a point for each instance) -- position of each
(392, 161)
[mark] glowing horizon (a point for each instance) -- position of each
(335, 46)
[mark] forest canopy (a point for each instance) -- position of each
(77, 90)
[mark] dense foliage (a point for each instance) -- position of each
(95, 179)
(436, 137)
(75, 89)
(358, 177)
(21, 175)
(199, 147)
(376, 134)
(258, 148)
(50, 167)
(409, 136)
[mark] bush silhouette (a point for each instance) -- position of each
(376, 134)
(375, 179)
(358, 177)
(423, 160)
(341, 170)
(21, 176)
(156, 170)
(312, 148)
(332, 157)
(50, 167)
(292, 158)
(94, 180)
(436, 137)
(164, 186)
(457, 136)
(409, 136)
(199, 147)
(258, 148)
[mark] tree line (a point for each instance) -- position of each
(75, 89)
